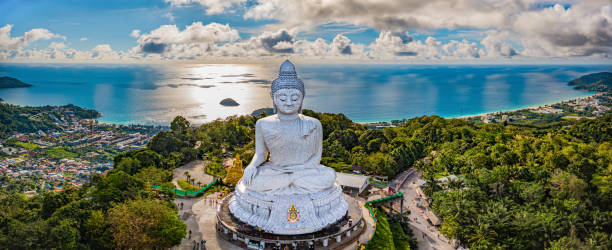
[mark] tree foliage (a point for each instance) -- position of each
(521, 187)
(145, 224)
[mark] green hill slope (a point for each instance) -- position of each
(10, 82)
(597, 82)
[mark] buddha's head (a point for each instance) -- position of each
(287, 90)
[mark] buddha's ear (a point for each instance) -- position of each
(301, 104)
(273, 104)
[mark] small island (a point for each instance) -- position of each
(596, 82)
(229, 102)
(10, 82)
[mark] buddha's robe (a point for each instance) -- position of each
(295, 148)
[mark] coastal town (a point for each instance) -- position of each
(66, 155)
(589, 107)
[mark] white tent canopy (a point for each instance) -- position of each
(359, 182)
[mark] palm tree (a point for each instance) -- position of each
(482, 235)
(187, 175)
(199, 183)
(455, 183)
(431, 186)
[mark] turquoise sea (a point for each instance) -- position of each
(154, 94)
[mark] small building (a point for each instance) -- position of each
(10, 150)
(488, 119)
(352, 182)
(446, 179)
(432, 218)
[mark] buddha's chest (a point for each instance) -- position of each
(287, 145)
(280, 136)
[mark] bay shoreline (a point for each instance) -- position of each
(502, 111)
(527, 108)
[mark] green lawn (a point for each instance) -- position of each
(59, 152)
(27, 145)
(184, 185)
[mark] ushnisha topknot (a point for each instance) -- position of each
(287, 79)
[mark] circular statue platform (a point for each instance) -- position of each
(334, 236)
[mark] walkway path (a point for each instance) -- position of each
(369, 229)
(206, 210)
(196, 209)
(186, 214)
(196, 170)
(427, 236)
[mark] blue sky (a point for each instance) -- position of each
(343, 30)
(102, 21)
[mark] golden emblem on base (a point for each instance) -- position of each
(293, 215)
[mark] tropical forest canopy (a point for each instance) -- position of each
(522, 187)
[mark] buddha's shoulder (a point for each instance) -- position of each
(311, 120)
(267, 120)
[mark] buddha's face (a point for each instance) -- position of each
(287, 101)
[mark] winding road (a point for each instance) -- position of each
(428, 237)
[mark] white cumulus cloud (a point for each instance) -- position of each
(10, 43)
(212, 6)
(135, 33)
(171, 42)
(57, 45)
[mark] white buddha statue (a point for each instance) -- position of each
(292, 193)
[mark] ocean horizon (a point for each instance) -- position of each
(155, 94)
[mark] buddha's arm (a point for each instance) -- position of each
(315, 159)
(258, 158)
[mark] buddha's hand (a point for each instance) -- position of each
(249, 174)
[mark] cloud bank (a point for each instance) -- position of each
(505, 29)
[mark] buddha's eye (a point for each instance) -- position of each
(294, 97)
